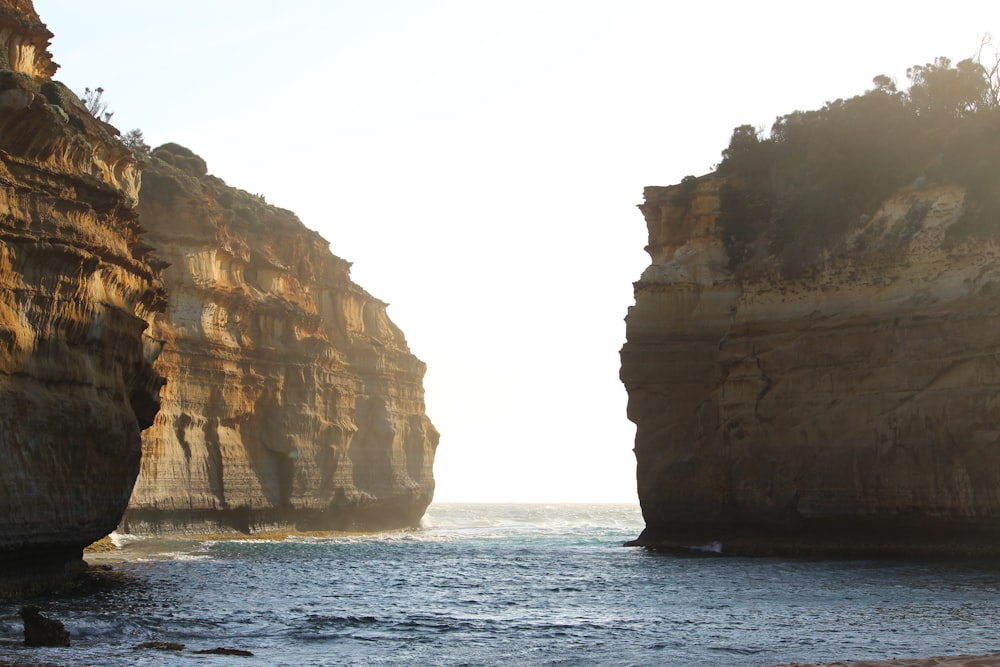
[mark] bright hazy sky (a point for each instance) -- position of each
(479, 161)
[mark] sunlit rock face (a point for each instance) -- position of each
(24, 41)
(76, 286)
(855, 410)
(292, 400)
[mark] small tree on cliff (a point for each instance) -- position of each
(134, 140)
(940, 91)
(990, 70)
(93, 99)
(98, 108)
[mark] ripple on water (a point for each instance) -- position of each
(526, 585)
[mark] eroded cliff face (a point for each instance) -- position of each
(854, 410)
(292, 400)
(76, 286)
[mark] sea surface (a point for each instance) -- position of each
(488, 584)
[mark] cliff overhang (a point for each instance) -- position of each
(77, 287)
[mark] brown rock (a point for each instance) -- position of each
(24, 40)
(76, 286)
(160, 646)
(292, 400)
(41, 631)
(853, 410)
(224, 651)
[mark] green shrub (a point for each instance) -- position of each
(800, 190)
(54, 93)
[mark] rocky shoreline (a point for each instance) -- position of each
(828, 539)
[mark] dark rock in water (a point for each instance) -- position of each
(224, 651)
(161, 646)
(41, 631)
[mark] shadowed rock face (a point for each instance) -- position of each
(852, 411)
(292, 400)
(76, 286)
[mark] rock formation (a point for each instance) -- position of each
(292, 400)
(851, 410)
(76, 286)
(42, 631)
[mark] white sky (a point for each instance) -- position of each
(480, 161)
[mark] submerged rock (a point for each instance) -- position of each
(225, 651)
(160, 646)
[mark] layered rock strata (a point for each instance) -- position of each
(292, 400)
(853, 410)
(76, 288)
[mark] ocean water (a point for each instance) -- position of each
(507, 585)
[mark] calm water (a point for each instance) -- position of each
(510, 585)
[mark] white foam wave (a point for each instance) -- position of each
(120, 540)
(174, 555)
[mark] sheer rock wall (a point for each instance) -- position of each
(855, 410)
(292, 400)
(76, 286)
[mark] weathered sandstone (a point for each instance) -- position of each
(292, 399)
(76, 286)
(853, 410)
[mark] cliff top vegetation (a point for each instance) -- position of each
(790, 196)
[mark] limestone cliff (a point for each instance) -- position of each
(292, 399)
(76, 286)
(853, 410)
